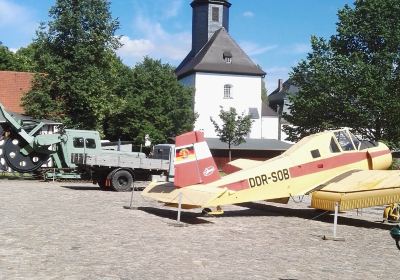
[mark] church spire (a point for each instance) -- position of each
(208, 17)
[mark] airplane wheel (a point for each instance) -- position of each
(206, 211)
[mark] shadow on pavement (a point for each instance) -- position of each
(82, 188)
(258, 209)
(186, 217)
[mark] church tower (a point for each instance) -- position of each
(213, 12)
(221, 73)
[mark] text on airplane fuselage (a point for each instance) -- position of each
(273, 177)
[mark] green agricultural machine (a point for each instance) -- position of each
(77, 154)
(395, 234)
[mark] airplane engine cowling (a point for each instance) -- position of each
(380, 158)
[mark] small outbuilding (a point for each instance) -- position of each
(255, 149)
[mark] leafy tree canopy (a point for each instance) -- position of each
(156, 105)
(234, 127)
(18, 61)
(75, 50)
(352, 80)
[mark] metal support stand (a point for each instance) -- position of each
(130, 204)
(335, 219)
(178, 217)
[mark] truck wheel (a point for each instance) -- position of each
(122, 181)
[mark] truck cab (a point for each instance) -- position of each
(165, 152)
(77, 143)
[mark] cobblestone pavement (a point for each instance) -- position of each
(74, 231)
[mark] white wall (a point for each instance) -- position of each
(270, 127)
(209, 96)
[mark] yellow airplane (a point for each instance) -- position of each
(334, 167)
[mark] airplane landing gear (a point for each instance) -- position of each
(392, 213)
(208, 212)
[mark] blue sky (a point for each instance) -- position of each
(276, 34)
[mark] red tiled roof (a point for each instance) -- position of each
(14, 85)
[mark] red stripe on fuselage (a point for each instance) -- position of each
(238, 186)
(332, 162)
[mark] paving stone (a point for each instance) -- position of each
(60, 230)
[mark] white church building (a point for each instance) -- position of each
(221, 73)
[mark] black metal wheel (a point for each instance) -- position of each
(3, 163)
(122, 181)
(18, 161)
(206, 212)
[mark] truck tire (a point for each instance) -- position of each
(122, 181)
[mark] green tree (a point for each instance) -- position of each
(7, 59)
(75, 52)
(234, 128)
(352, 79)
(264, 92)
(14, 61)
(26, 58)
(156, 105)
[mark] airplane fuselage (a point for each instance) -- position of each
(307, 166)
(300, 170)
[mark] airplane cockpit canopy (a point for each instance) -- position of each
(347, 141)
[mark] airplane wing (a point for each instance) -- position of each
(359, 189)
(240, 164)
(191, 197)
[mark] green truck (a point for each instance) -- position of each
(78, 154)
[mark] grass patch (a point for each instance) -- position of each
(16, 176)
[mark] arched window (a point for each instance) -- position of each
(228, 91)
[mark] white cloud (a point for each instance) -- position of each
(16, 16)
(301, 48)
(135, 48)
(254, 49)
(155, 42)
(248, 14)
(174, 6)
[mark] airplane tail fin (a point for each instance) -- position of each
(194, 163)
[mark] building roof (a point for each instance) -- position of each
(267, 111)
(210, 58)
(28, 119)
(13, 86)
(220, 2)
(250, 144)
(278, 95)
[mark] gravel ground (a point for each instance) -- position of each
(74, 231)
